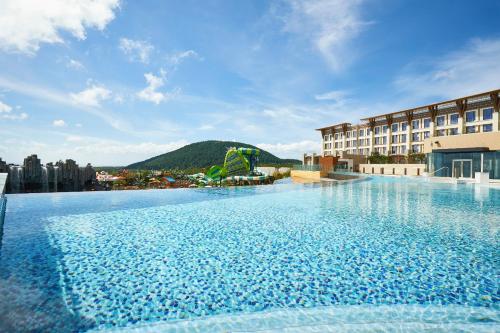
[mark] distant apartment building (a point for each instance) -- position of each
(462, 131)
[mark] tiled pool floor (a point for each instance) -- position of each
(322, 257)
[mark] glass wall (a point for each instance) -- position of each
(463, 163)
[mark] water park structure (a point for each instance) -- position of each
(239, 169)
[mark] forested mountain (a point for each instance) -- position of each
(202, 155)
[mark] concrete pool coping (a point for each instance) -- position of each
(3, 198)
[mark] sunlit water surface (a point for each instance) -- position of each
(342, 253)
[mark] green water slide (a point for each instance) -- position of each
(238, 162)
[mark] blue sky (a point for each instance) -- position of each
(113, 82)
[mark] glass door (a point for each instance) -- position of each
(462, 169)
(457, 169)
(467, 169)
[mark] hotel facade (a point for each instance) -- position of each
(459, 137)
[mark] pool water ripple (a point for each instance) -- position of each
(369, 244)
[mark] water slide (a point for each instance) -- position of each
(239, 165)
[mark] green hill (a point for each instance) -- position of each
(202, 155)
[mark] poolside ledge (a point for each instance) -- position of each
(3, 199)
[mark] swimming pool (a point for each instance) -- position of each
(385, 251)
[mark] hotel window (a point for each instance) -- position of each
(384, 151)
(377, 130)
(415, 148)
(427, 134)
(367, 142)
(394, 149)
(326, 137)
(440, 121)
(403, 126)
(470, 116)
(384, 140)
(453, 131)
(377, 140)
(360, 150)
(488, 114)
(394, 139)
(415, 124)
(470, 129)
(403, 149)
(368, 131)
(384, 129)
(414, 137)
(348, 134)
(454, 118)
(403, 138)
(427, 122)
(394, 127)
(361, 132)
(336, 136)
(440, 132)
(348, 144)
(488, 128)
(336, 145)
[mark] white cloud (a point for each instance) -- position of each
(293, 149)
(151, 93)
(56, 145)
(25, 24)
(329, 24)
(4, 108)
(75, 64)
(61, 98)
(113, 119)
(91, 96)
(59, 123)
(136, 50)
(103, 151)
(21, 116)
(119, 98)
(334, 95)
(281, 113)
(472, 69)
(206, 127)
(6, 112)
(78, 125)
(178, 57)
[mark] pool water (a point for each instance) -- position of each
(139, 259)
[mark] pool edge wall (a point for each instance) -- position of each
(3, 203)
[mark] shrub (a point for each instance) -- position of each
(416, 158)
(377, 158)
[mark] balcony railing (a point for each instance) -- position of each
(301, 167)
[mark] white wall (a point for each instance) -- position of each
(393, 169)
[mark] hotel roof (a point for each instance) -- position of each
(426, 107)
(420, 109)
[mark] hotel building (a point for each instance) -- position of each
(459, 136)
